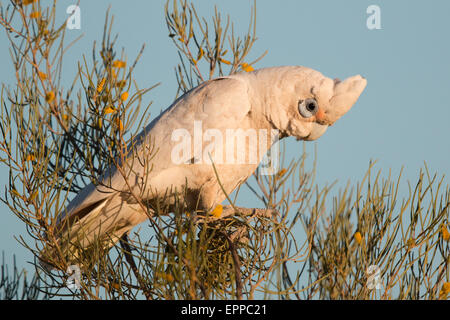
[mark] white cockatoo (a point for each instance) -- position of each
(291, 100)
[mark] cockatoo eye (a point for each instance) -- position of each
(308, 107)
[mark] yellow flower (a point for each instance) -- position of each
(119, 64)
(445, 233)
(30, 157)
(50, 96)
(100, 85)
(358, 237)
(246, 67)
(446, 287)
(35, 15)
(224, 61)
(411, 243)
(124, 96)
(445, 290)
(282, 172)
(217, 212)
(169, 278)
(109, 110)
(14, 191)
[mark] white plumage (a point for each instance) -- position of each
(278, 98)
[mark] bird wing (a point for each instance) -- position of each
(217, 103)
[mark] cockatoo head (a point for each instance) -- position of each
(303, 102)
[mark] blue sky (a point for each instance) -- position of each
(401, 119)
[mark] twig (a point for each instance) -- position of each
(237, 266)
